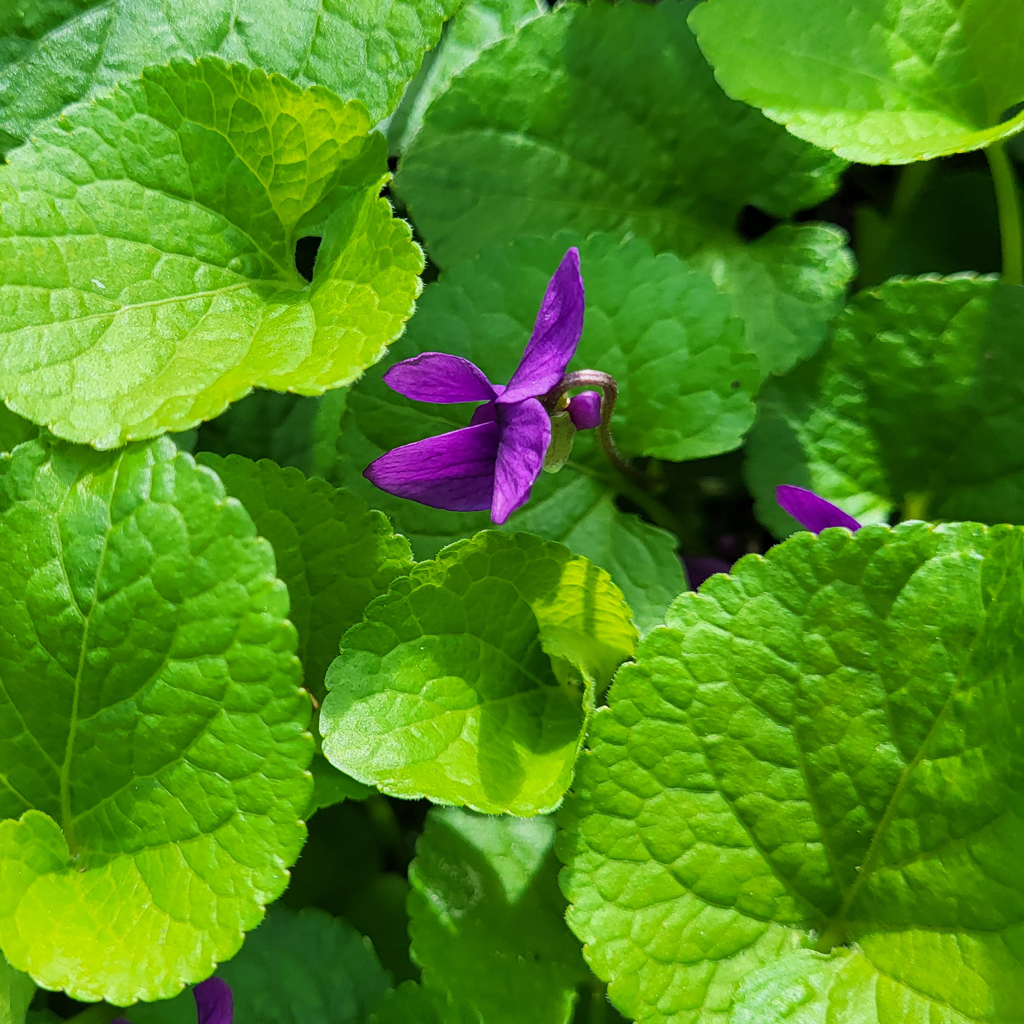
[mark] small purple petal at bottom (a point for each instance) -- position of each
(585, 410)
(811, 511)
(453, 471)
(441, 378)
(525, 433)
(702, 567)
(214, 1003)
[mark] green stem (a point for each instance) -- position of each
(1008, 201)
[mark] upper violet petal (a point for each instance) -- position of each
(811, 511)
(454, 471)
(585, 410)
(524, 436)
(436, 377)
(214, 1003)
(555, 334)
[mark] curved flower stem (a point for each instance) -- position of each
(609, 395)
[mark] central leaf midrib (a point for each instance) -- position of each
(874, 850)
(69, 749)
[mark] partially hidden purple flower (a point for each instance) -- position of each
(702, 567)
(214, 1002)
(495, 461)
(812, 511)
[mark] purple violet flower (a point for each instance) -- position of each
(214, 1002)
(495, 461)
(811, 511)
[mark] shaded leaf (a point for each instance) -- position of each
(334, 554)
(296, 968)
(916, 403)
(487, 919)
(413, 1004)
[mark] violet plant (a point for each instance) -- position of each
(509, 512)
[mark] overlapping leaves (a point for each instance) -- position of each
(154, 736)
(916, 403)
(471, 680)
(805, 800)
(877, 81)
(53, 54)
(518, 145)
(477, 25)
(487, 919)
(296, 968)
(147, 250)
(334, 554)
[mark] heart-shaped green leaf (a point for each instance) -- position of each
(471, 680)
(154, 744)
(877, 81)
(605, 117)
(147, 252)
(805, 800)
(53, 53)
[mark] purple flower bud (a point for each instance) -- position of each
(585, 410)
(812, 511)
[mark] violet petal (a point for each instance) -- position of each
(436, 377)
(486, 413)
(555, 334)
(453, 471)
(585, 410)
(214, 1004)
(525, 433)
(812, 511)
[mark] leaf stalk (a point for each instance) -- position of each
(1008, 201)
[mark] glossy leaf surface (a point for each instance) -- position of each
(162, 285)
(471, 680)
(154, 733)
(773, 826)
(877, 81)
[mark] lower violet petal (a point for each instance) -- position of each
(524, 436)
(812, 511)
(452, 471)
